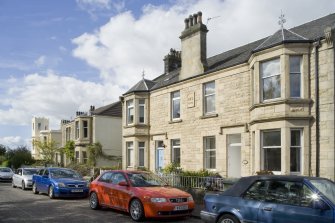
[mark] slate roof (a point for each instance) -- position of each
(114, 109)
(307, 32)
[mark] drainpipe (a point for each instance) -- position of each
(317, 110)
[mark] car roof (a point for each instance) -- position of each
(245, 182)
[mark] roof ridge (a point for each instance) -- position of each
(296, 34)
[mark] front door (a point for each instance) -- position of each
(160, 158)
(234, 155)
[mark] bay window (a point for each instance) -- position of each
(271, 150)
(130, 112)
(270, 78)
(295, 76)
(295, 150)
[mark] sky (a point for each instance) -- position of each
(61, 56)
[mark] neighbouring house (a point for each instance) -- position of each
(266, 105)
(41, 131)
(101, 125)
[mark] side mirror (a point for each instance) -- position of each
(123, 183)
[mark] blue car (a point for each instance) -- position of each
(59, 182)
(275, 199)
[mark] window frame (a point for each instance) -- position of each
(130, 154)
(173, 152)
(141, 148)
(270, 76)
(141, 106)
(291, 73)
(296, 147)
(173, 100)
(77, 128)
(270, 147)
(208, 150)
(205, 96)
(85, 129)
(130, 107)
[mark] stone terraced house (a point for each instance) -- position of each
(267, 105)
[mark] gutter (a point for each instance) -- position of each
(317, 109)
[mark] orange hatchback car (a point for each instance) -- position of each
(142, 194)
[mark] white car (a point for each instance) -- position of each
(23, 177)
(6, 174)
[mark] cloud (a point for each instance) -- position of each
(126, 45)
(40, 61)
(13, 141)
(95, 7)
(54, 96)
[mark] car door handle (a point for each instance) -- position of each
(267, 209)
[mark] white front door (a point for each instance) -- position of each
(234, 155)
(160, 158)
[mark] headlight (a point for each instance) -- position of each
(158, 199)
(190, 198)
(61, 185)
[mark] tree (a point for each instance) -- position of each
(3, 150)
(47, 149)
(18, 157)
(69, 150)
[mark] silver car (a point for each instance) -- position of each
(6, 174)
(23, 177)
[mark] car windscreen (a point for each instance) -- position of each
(5, 170)
(326, 187)
(30, 171)
(145, 180)
(64, 173)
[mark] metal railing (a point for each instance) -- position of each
(205, 183)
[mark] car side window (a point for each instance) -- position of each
(106, 177)
(118, 177)
(40, 172)
(46, 172)
(257, 191)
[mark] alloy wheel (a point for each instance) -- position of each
(136, 210)
(94, 202)
(23, 186)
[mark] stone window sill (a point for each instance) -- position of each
(175, 121)
(209, 116)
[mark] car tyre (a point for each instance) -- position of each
(94, 201)
(51, 192)
(13, 185)
(227, 218)
(23, 185)
(35, 191)
(136, 210)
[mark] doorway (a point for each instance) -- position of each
(234, 155)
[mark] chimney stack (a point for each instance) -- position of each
(193, 47)
(172, 61)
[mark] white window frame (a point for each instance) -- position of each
(205, 96)
(130, 153)
(296, 73)
(173, 100)
(141, 106)
(130, 107)
(85, 128)
(77, 130)
(67, 134)
(270, 76)
(297, 147)
(85, 158)
(173, 148)
(209, 150)
(141, 148)
(270, 147)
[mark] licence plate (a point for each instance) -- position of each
(77, 190)
(179, 208)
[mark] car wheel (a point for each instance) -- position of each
(23, 185)
(51, 192)
(136, 210)
(227, 218)
(94, 201)
(35, 191)
(13, 185)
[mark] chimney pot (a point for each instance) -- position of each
(190, 18)
(199, 17)
(186, 23)
(195, 19)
